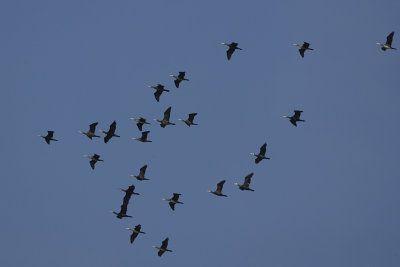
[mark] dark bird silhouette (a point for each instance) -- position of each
(48, 137)
(179, 78)
(111, 132)
(140, 122)
(124, 207)
(163, 247)
(174, 200)
(189, 121)
(246, 184)
(143, 138)
(95, 158)
(305, 46)
(218, 192)
(232, 47)
(260, 156)
(165, 121)
(295, 118)
(141, 177)
(92, 129)
(135, 232)
(388, 44)
(159, 90)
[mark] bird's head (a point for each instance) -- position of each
(252, 154)
(164, 199)
(237, 184)
(285, 116)
(209, 191)
(379, 43)
(180, 119)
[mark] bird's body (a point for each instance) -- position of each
(174, 200)
(295, 118)
(92, 131)
(135, 232)
(218, 192)
(141, 177)
(159, 90)
(179, 78)
(48, 137)
(163, 247)
(190, 119)
(165, 121)
(140, 122)
(305, 46)
(246, 184)
(388, 44)
(111, 132)
(232, 47)
(260, 156)
(95, 158)
(143, 138)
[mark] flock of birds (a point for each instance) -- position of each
(189, 122)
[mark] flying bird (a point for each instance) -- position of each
(163, 247)
(218, 192)
(122, 213)
(388, 44)
(135, 232)
(111, 132)
(260, 156)
(95, 158)
(91, 132)
(165, 121)
(295, 118)
(141, 177)
(174, 200)
(189, 121)
(246, 184)
(305, 46)
(232, 47)
(159, 90)
(48, 137)
(179, 78)
(140, 122)
(143, 138)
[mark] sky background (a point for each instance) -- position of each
(329, 196)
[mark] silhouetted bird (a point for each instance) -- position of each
(163, 247)
(218, 192)
(260, 156)
(165, 121)
(295, 118)
(92, 129)
(135, 232)
(232, 48)
(141, 177)
(303, 48)
(246, 184)
(111, 132)
(48, 137)
(143, 138)
(388, 44)
(140, 122)
(159, 89)
(95, 158)
(174, 200)
(189, 121)
(179, 78)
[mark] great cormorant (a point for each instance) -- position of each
(95, 158)
(163, 247)
(246, 184)
(232, 48)
(92, 129)
(111, 132)
(165, 121)
(48, 137)
(140, 122)
(303, 48)
(179, 78)
(388, 44)
(189, 121)
(174, 200)
(159, 89)
(295, 118)
(141, 177)
(135, 232)
(260, 156)
(218, 192)
(143, 138)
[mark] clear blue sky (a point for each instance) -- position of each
(328, 197)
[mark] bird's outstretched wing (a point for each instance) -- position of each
(389, 39)
(229, 52)
(92, 163)
(143, 170)
(167, 114)
(177, 82)
(133, 236)
(181, 75)
(297, 114)
(306, 45)
(258, 159)
(176, 197)
(92, 127)
(50, 134)
(139, 125)
(157, 95)
(172, 205)
(220, 185)
(263, 149)
(247, 180)
(301, 50)
(144, 135)
(191, 117)
(164, 244)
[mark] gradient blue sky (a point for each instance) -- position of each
(328, 197)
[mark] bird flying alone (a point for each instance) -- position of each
(388, 44)
(190, 119)
(295, 118)
(232, 47)
(159, 90)
(246, 184)
(111, 132)
(141, 175)
(305, 46)
(260, 156)
(91, 132)
(48, 137)
(218, 192)
(95, 158)
(143, 138)
(163, 247)
(140, 122)
(135, 232)
(179, 78)
(174, 200)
